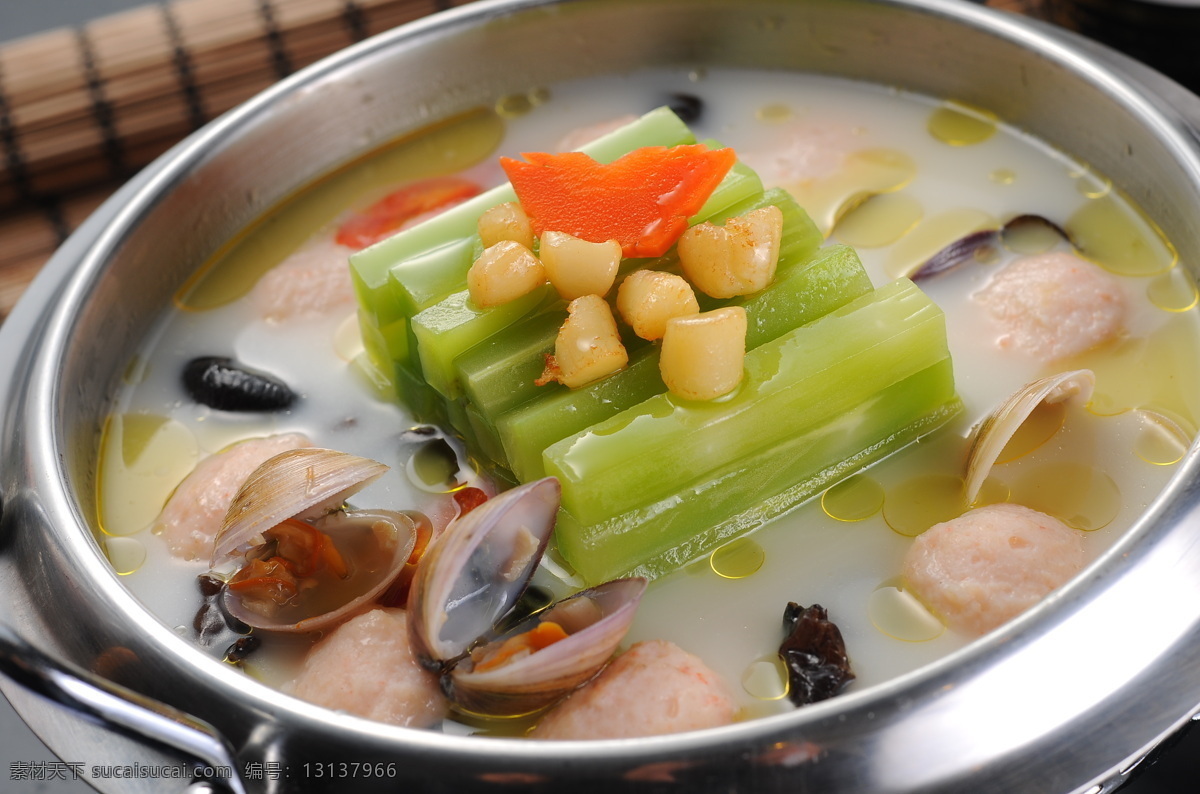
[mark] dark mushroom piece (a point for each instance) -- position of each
(224, 384)
(688, 107)
(814, 653)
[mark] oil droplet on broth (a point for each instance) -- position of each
(934, 234)
(1030, 238)
(142, 458)
(1003, 176)
(853, 499)
(444, 148)
(501, 727)
(880, 220)
(958, 124)
(511, 106)
(766, 678)
(864, 173)
(774, 113)
(1158, 370)
(737, 559)
(125, 554)
(1079, 495)
(916, 504)
(1090, 184)
(1173, 291)
(899, 614)
(1163, 440)
(1116, 236)
(1043, 422)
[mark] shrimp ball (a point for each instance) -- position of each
(654, 688)
(367, 667)
(991, 564)
(313, 281)
(1054, 305)
(805, 152)
(194, 513)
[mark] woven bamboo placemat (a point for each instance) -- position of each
(82, 109)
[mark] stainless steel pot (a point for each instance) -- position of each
(1064, 699)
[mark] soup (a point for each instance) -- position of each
(898, 177)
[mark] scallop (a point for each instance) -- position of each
(468, 583)
(303, 562)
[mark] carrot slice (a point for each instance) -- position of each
(642, 200)
(540, 636)
(388, 215)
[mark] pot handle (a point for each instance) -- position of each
(127, 713)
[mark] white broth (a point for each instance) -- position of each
(959, 171)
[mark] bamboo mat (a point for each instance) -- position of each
(82, 109)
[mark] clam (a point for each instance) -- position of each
(302, 561)
(299, 483)
(469, 581)
(998, 428)
(1015, 235)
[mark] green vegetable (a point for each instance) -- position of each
(818, 401)
(809, 283)
(527, 430)
(452, 326)
(412, 270)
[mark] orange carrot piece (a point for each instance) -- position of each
(388, 215)
(540, 636)
(643, 200)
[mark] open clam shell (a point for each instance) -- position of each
(499, 681)
(370, 549)
(299, 483)
(998, 428)
(473, 573)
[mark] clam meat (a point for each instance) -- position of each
(300, 560)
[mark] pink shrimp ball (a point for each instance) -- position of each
(367, 667)
(1054, 305)
(313, 281)
(654, 688)
(194, 513)
(991, 564)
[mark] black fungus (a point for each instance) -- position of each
(979, 245)
(688, 107)
(213, 624)
(239, 651)
(226, 385)
(814, 653)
